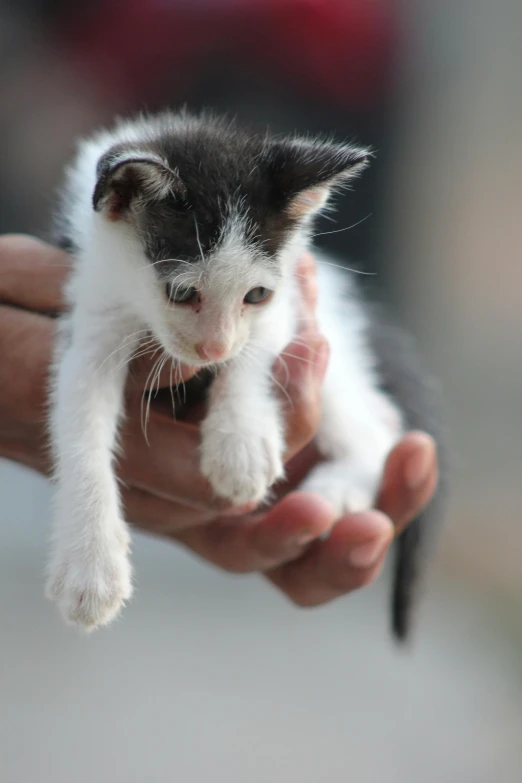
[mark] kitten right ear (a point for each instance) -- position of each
(123, 179)
(306, 171)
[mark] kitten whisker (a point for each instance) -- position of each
(280, 386)
(198, 240)
(348, 268)
(287, 371)
(293, 356)
(129, 339)
(156, 380)
(346, 228)
(171, 384)
(145, 415)
(140, 351)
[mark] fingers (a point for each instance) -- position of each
(354, 553)
(351, 557)
(261, 541)
(307, 278)
(300, 372)
(166, 466)
(26, 341)
(32, 274)
(159, 516)
(25, 347)
(301, 368)
(31, 281)
(410, 478)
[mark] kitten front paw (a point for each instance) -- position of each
(241, 467)
(90, 588)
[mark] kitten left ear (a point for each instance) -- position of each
(124, 178)
(305, 172)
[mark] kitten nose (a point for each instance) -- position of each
(211, 351)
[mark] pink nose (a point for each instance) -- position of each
(212, 352)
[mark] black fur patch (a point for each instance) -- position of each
(225, 172)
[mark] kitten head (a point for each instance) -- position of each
(220, 216)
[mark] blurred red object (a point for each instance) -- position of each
(337, 49)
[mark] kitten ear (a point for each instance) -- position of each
(305, 172)
(124, 178)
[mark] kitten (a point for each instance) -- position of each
(188, 229)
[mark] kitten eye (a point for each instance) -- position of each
(180, 294)
(257, 295)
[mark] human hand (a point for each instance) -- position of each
(163, 490)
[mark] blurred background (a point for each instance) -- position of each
(210, 677)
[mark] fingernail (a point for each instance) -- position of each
(295, 545)
(366, 555)
(304, 539)
(417, 468)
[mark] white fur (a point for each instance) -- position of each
(359, 424)
(116, 299)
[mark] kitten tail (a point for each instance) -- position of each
(409, 566)
(408, 383)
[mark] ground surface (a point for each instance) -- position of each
(213, 678)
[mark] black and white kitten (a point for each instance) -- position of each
(187, 229)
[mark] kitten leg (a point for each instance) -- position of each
(359, 424)
(359, 427)
(89, 571)
(242, 436)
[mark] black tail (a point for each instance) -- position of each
(406, 381)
